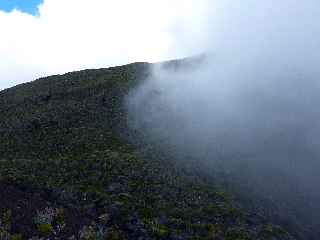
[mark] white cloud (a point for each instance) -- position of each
(69, 35)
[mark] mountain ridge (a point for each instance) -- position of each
(68, 172)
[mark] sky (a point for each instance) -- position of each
(29, 6)
(58, 36)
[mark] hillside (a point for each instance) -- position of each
(67, 170)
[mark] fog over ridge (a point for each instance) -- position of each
(251, 107)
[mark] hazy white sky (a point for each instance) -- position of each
(69, 35)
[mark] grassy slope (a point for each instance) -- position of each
(60, 150)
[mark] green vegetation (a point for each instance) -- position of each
(66, 168)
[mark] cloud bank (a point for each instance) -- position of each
(250, 109)
(69, 35)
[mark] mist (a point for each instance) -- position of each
(247, 108)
